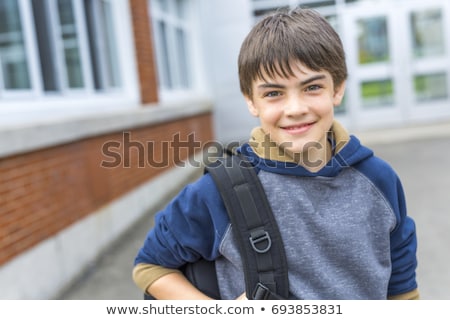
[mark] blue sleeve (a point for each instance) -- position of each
(403, 239)
(189, 228)
(403, 249)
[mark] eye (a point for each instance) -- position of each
(313, 87)
(272, 94)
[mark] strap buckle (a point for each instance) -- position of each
(259, 236)
(261, 292)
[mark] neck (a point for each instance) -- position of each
(315, 157)
(312, 159)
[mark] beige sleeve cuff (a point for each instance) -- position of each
(411, 295)
(145, 274)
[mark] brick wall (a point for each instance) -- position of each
(45, 191)
(144, 50)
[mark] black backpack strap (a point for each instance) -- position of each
(259, 240)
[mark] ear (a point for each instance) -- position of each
(339, 94)
(251, 106)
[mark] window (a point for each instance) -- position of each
(73, 46)
(14, 66)
(427, 33)
(102, 44)
(173, 39)
(430, 87)
(377, 93)
(69, 42)
(263, 7)
(373, 40)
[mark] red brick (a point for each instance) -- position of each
(45, 191)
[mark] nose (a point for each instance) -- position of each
(295, 106)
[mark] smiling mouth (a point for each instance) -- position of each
(299, 128)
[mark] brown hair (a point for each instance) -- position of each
(282, 37)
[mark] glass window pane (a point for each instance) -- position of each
(73, 64)
(172, 42)
(66, 12)
(427, 33)
(373, 40)
(110, 50)
(70, 43)
(430, 86)
(102, 44)
(165, 76)
(181, 8)
(182, 58)
(377, 93)
(162, 5)
(12, 47)
(90, 8)
(47, 57)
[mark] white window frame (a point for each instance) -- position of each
(30, 53)
(35, 105)
(177, 92)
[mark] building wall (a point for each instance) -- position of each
(223, 29)
(70, 186)
(45, 191)
(144, 50)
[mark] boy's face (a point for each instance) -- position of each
(297, 112)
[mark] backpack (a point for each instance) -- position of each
(259, 240)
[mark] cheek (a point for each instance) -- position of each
(326, 106)
(270, 116)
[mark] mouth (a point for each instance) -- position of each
(298, 128)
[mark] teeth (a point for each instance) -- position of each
(296, 127)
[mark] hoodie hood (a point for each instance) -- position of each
(346, 150)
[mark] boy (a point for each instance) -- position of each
(340, 210)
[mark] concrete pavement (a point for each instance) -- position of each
(421, 157)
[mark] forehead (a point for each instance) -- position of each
(292, 71)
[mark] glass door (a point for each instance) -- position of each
(428, 36)
(398, 61)
(370, 38)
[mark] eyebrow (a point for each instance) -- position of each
(312, 79)
(302, 83)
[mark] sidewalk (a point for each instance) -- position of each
(109, 278)
(420, 155)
